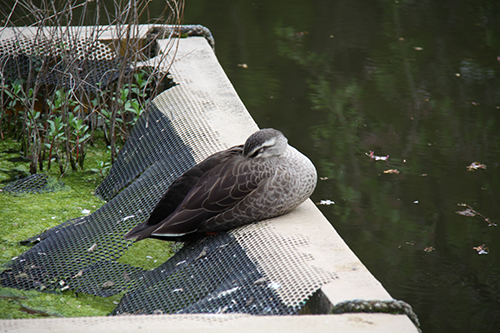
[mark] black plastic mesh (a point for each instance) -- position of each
(213, 275)
(152, 142)
(36, 183)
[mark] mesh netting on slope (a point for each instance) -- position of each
(249, 270)
(211, 276)
(37, 183)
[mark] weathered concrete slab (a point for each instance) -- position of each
(347, 323)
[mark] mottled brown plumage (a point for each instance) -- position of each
(261, 179)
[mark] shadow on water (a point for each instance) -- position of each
(418, 81)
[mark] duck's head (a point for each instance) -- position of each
(265, 143)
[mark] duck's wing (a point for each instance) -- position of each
(178, 190)
(217, 191)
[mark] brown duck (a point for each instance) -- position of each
(261, 179)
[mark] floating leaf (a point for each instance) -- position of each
(396, 171)
(429, 249)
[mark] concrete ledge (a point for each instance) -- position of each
(214, 323)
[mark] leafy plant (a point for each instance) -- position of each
(55, 136)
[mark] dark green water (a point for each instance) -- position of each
(415, 80)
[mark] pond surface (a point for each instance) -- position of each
(415, 80)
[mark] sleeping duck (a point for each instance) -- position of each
(261, 179)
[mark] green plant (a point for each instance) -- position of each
(55, 136)
(79, 132)
(103, 168)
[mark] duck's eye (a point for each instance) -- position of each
(257, 152)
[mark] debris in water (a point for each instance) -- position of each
(475, 165)
(375, 157)
(429, 249)
(481, 249)
(466, 212)
(470, 212)
(391, 171)
(326, 202)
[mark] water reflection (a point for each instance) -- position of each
(418, 81)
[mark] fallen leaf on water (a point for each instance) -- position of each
(396, 171)
(481, 249)
(429, 249)
(475, 165)
(243, 65)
